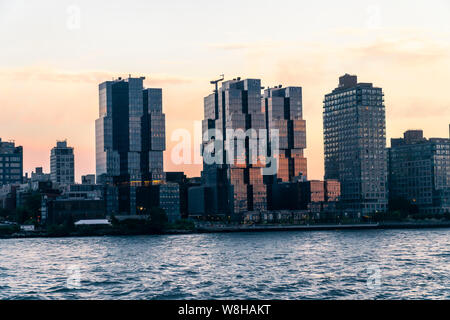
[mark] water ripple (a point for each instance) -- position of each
(376, 264)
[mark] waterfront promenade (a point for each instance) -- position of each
(226, 228)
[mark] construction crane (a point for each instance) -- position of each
(216, 82)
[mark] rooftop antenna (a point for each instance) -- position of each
(216, 82)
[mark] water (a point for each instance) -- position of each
(372, 264)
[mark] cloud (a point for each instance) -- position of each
(420, 110)
(63, 76)
(407, 51)
(237, 46)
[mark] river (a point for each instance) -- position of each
(361, 264)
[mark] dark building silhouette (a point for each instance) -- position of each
(300, 195)
(61, 211)
(88, 179)
(184, 185)
(165, 196)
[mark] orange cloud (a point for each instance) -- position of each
(60, 76)
(243, 45)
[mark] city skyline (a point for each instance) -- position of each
(225, 159)
(409, 58)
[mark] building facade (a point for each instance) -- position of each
(39, 175)
(130, 140)
(184, 185)
(62, 164)
(354, 124)
(11, 163)
(88, 179)
(332, 190)
(419, 171)
(301, 195)
(59, 211)
(235, 178)
(284, 112)
(169, 200)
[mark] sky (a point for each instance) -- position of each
(53, 55)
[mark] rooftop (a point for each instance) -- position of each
(92, 222)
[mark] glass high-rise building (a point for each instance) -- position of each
(236, 186)
(284, 112)
(354, 124)
(62, 164)
(130, 140)
(11, 163)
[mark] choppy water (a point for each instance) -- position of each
(375, 264)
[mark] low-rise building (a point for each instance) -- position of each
(88, 179)
(199, 203)
(39, 176)
(185, 184)
(60, 211)
(84, 191)
(304, 195)
(169, 200)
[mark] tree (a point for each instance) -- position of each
(400, 206)
(33, 205)
(158, 219)
(69, 224)
(447, 215)
(21, 215)
(114, 221)
(30, 211)
(414, 209)
(5, 214)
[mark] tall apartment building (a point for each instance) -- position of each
(284, 112)
(130, 140)
(62, 167)
(237, 184)
(354, 124)
(11, 163)
(419, 171)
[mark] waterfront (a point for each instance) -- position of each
(369, 264)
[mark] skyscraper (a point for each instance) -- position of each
(283, 112)
(130, 140)
(419, 171)
(62, 168)
(354, 125)
(11, 163)
(237, 181)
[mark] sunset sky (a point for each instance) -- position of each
(53, 55)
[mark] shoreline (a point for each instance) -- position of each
(328, 227)
(246, 228)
